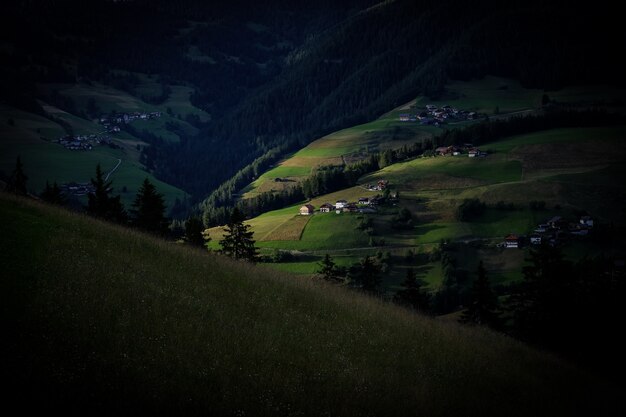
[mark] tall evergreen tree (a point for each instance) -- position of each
(366, 274)
(329, 270)
(541, 303)
(17, 181)
(413, 295)
(101, 204)
(52, 194)
(238, 242)
(194, 231)
(483, 305)
(148, 212)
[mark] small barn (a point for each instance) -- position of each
(307, 210)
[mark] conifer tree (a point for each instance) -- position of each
(329, 270)
(413, 295)
(483, 305)
(238, 242)
(52, 194)
(101, 204)
(366, 274)
(194, 232)
(148, 210)
(17, 181)
(540, 303)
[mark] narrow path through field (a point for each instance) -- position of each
(119, 161)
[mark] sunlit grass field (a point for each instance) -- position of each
(574, 174)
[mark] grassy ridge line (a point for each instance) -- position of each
(103, 318)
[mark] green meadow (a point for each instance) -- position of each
(569, 169)
(30, 137)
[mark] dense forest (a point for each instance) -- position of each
(276, 76)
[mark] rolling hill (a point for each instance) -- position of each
(494, 97)
(568, 170)
(31, 135)
(101, 319)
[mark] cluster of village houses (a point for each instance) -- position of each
(363, 205)
(433, 115)
(83, 142)
(467, 148)
(551, 232)
(77, 189)
(379, 186)
(109, 122)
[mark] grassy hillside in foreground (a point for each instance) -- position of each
(102, 319)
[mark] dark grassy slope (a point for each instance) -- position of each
(100, 319)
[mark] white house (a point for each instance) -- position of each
(341, 204)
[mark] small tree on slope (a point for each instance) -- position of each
(16, 183)
(483, 306)
(238, 242)
(101, 203)
(149, 209)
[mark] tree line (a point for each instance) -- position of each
(147, 213)
(571, 307)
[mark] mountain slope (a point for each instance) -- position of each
(102, 319)
(388, 55)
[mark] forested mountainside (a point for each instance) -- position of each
(270, 85)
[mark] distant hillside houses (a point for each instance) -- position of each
(468, 149)
(379, 186)
(83, 142)
(109, 121)
(77, 189)
(363, 205)
(553, 232)
(433, 115)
